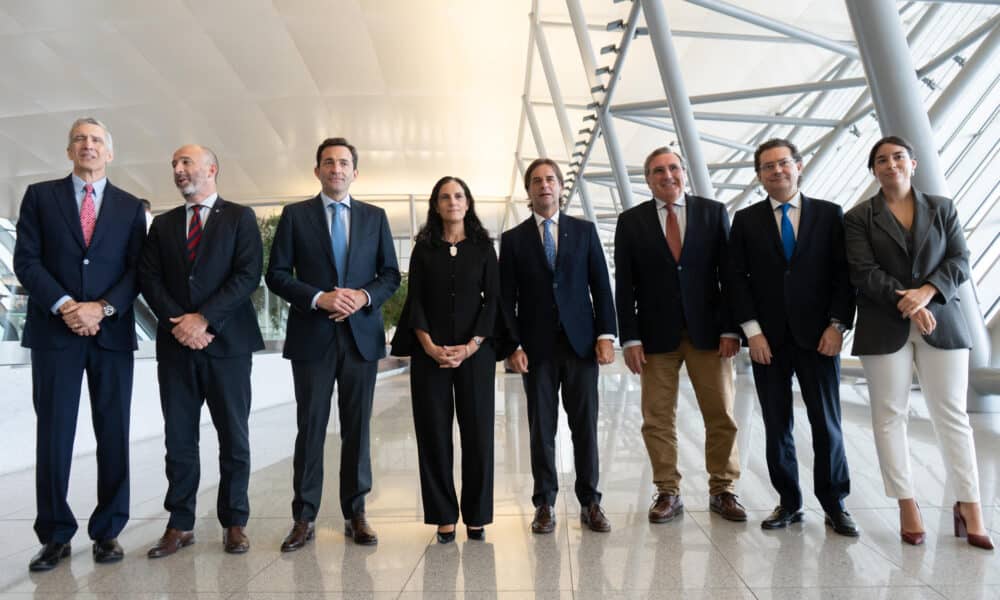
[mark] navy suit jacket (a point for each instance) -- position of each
(51, 261)
(576, 296)
(881, 264)
(301, 265)
(217, 285)
(653, 305)
(796, 298)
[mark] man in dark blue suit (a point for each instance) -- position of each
(334, 261)
(669, 259)
(78, 242)
(790, 292)
(200, 263)
(554, 286)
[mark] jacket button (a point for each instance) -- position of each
(680, 268)
(86, 261)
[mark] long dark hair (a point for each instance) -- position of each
(433, 230)
(895, 140)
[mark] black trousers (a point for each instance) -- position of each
(438, 395)
(187, 380)
(819, 380)
(578, 379)
(56, 377)
(314, 381)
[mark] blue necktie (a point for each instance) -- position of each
(338, 237)
(787, 233)
(550, 244)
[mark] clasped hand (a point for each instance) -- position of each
(82, 318)
(449, 357)
(191, 330)
(342, 302)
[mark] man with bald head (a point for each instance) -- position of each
(200, 263)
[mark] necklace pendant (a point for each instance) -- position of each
(453, 251)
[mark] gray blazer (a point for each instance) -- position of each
(880, 265)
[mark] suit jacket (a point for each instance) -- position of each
(301, 265)
(659, 296)
(51, 261)
(217, 285)
(880, 265)
(576, 297)
(790, 299)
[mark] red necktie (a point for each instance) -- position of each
(88, 215)
(673, 233)
(194, 233)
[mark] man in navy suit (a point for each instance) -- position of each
(334, 261)
(78, 242)
(669, 257)
(790, 292)
(200, 263)
(554, 286)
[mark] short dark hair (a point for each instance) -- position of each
(657, 152)
(337, 141)
(771, 144)
(433, 230)
(537, 163)
(895, 140)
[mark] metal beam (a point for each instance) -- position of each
(743, 118)
(707, 137)
(536, 132)
(780, 90)
(774, 25)
(953, 50)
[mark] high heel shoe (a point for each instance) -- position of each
(445, 537)
(962, 530)
(913, 538)
(476, 534)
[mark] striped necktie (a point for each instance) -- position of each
(194, 233)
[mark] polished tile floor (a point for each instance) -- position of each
(697, 556)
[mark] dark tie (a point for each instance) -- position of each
(338, 238)
(673, 233)
(787, 233)
(88, 214)
(550, 244)
(194, 233)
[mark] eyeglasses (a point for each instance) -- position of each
(778, 165)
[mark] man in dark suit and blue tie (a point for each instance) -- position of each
(790, 292)
(554, 286)
(334, 261)
(200, 263)
(78, 242)
(669, 258)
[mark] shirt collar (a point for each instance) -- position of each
(660, 204)
(539, 219)
(207, 202)
(795, 202)
(328, 201)
(99, 185)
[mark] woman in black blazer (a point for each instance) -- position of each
(907, 258)
(446, 326)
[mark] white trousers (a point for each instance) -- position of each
(944, 377)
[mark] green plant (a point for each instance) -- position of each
(393, 307)
(268, 225)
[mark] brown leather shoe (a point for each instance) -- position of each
(234, 541)
(302, 532)
(727, 506)
(545, 519)
(593, 517)
(360, 531)
(172, 541)
(666, 507)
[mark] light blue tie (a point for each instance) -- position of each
(787, 232)
(550, 244)
(338, 237)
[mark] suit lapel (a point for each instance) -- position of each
(695, 222)
(534, 241)
(66, 200)
(883, 218)
(177, 225)
(110, 212)
(766, 222)
(563, 249)
(923, 215)
(357, 231)
(649, 221)
(210, 225)
(807, 222)
(319, 225)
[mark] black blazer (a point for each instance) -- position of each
(653, 304)
(797, 297)
(217, 285)
(51, 261)
(575, 298)
(301, 265)
(452, 298)
(880, 265)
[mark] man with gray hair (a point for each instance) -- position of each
(200, 263)
(669, 259)
(78, 242)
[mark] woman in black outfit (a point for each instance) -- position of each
(446, 327)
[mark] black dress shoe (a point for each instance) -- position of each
(360, 531)
(781, 517)
(446, 537)
(302, 532)
(108, 551)
(49, 556)
(545, 519)
(475, 533)
(842, 523)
